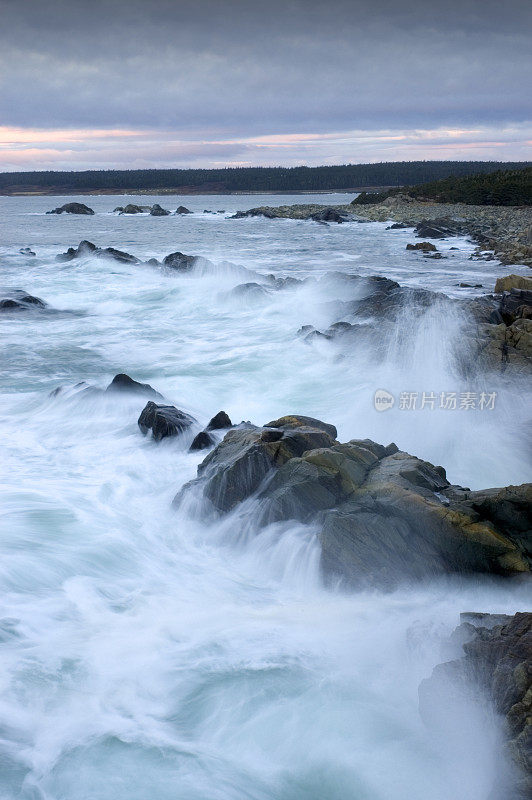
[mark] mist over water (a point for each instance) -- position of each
(148, 654)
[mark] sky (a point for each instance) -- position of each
(199, 83)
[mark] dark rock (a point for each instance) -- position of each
(399, 226)
(180, 262)
(330, 215)
(219, 422)
(86, 248)
(183, 210)
(123, 383)
(498, 658)
(293, 421)
(438, 228)
(26, 251)
(131, 208)
(516, 304)
(426, 247)
(157, 211)
(202, 441)
(163, 421)
(470, 285)
(72, 208)
(18, 300)
(243, 460)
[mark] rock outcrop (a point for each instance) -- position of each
(425, 247)
(383, 515)
(72, 208)
(157, 211)
(86, 248)
(510, 282)
(498, 658)
(183, 210)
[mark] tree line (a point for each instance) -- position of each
(252, 179)
(510, 187)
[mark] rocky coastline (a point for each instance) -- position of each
(502, 232)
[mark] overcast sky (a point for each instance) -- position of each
(162, 83)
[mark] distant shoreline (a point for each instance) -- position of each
(184, 192)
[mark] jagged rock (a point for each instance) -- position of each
(19, 300)
(425, 247)
(157, 211)
(399, 226)
(72, 208)
(182, 210)
(180, 262)
(86, 248)
(498, 658)
(26, 251)
(202, 441)
(163, 421)
(510, 282)
(219, 422)
(123, 383)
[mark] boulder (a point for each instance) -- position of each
(163, 421)
(237, 467)
(425, 247)
(512, 282)
(383, 515)
(72, 208)
(19, 300)
(439, 228)
(157, 211)
(219, 422)
(26, 251)
(183, 210)
(179, 262)
(498, 659)
(123, 383)
(202, 441)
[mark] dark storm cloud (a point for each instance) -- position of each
(248, 67)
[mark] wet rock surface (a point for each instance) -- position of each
(498, 658)
(86, 248)
(164, 421)
(383, 515)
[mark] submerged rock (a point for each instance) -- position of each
(19, 300)
(163, 421)
(123, 383)
(26, 251)
(72, 208)
(384, 515)
(498, 658)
